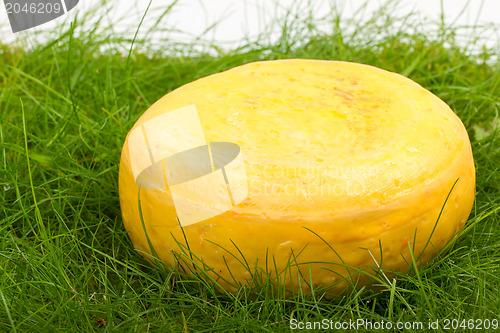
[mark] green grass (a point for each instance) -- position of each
(66, 105)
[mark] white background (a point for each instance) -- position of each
(236, 19)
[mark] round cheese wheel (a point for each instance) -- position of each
(347, 169)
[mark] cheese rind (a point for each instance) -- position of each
(342, 161)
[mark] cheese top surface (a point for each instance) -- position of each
(319, 136)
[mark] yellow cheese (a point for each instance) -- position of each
(342, 161)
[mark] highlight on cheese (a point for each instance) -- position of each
(170, 152)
